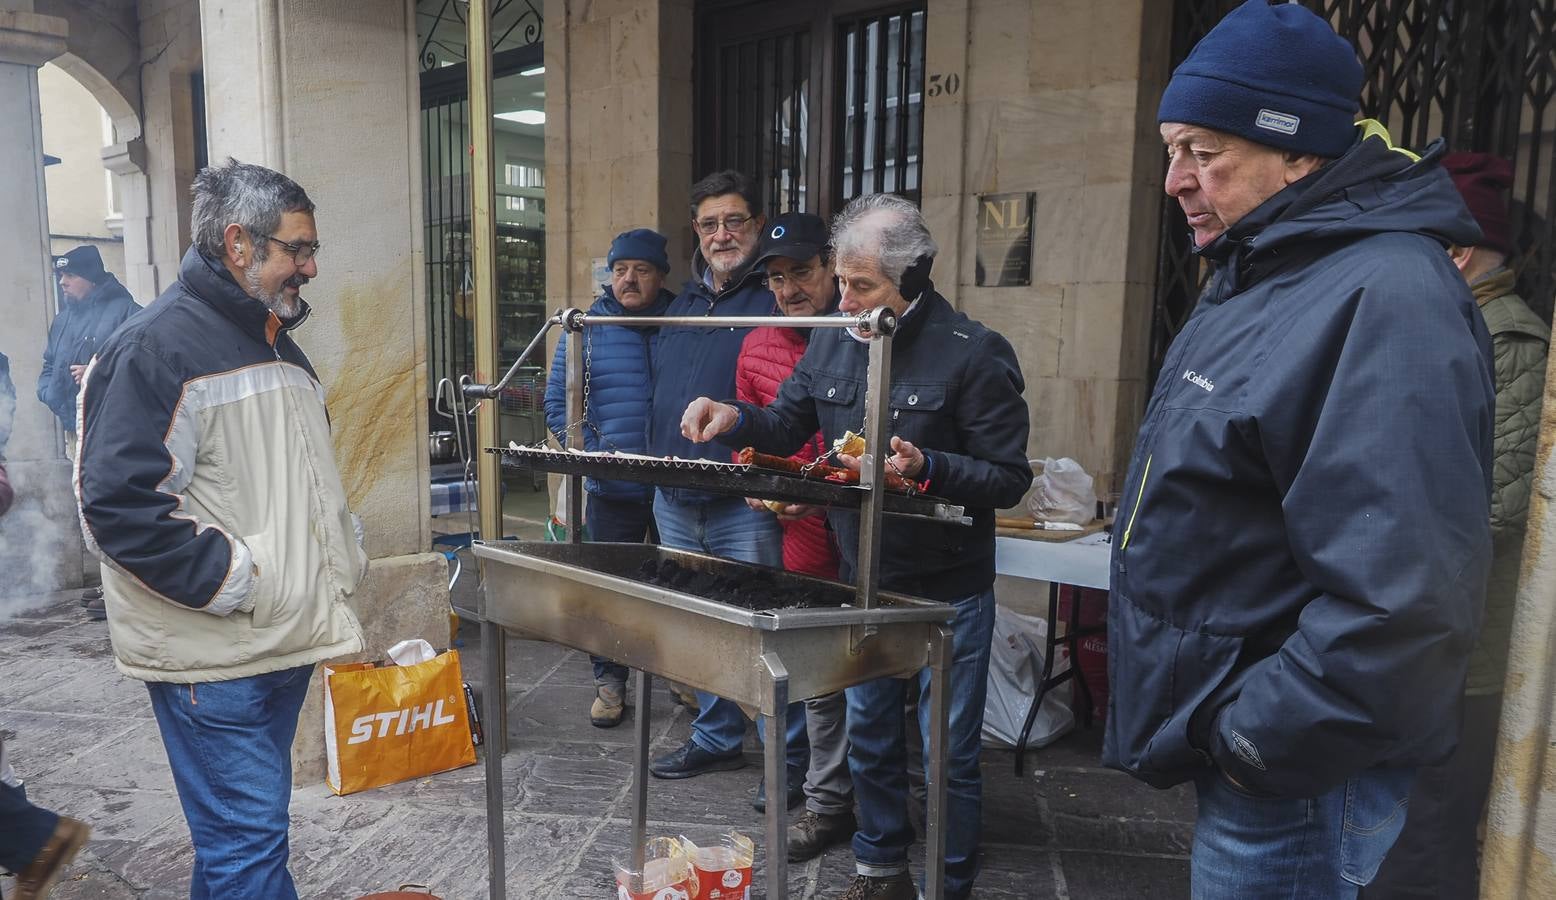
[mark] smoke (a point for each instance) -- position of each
(40, 539)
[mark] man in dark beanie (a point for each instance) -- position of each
(1304, 543)
(1437, 854)
(618, 372)
(96, 304)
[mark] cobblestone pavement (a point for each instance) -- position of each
(83, 737)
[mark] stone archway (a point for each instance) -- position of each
(103, 54)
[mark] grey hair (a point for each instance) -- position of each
(251, 196)
(886, 228)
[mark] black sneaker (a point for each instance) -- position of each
(796, 790)
(892, 887)
(96, 611)
(90, 596)
(812, 833)
(691, 760)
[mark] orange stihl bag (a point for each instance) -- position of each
(384, 724)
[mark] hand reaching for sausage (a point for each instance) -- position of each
(906, 459)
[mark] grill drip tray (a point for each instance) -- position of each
(592, 597)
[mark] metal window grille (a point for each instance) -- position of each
(817, 101)
(761, 114)
(881, 109)
(446, 204)
(1481, 73)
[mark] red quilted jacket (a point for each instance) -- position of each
(766, 359)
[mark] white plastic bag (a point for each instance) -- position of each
(1063, 493)
(1015, 665)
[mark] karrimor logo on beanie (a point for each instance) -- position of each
(1285, 123)
(1275, 75)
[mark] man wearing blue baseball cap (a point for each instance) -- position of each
(618, 377)
(1302, 552)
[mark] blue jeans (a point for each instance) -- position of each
(878, 755)
(727, 527)
(24, 828)
(229, 744)
(616, 522)
(1324, 848)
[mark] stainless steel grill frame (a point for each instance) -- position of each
(586, 596)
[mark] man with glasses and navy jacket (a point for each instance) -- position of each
(693, 361)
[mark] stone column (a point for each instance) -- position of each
(339, 117)
(127, 161)
(40, 541)
(615, 70)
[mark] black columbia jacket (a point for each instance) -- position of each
(78, 332)
(956, 394)
(1300, 558)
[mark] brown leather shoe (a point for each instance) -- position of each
(34, 882)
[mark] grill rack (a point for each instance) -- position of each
(726, 478)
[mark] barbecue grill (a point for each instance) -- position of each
(779, 637)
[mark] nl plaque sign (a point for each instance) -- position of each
(1004, 240)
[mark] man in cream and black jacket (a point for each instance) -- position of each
(208, 488)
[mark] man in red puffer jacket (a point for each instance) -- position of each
(798, 263)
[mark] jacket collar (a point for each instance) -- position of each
(102, 290)
(210, 282)
(1493, 284)
(928, 306)
(741, 278)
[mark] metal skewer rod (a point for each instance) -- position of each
(862, 322)
(490, 391)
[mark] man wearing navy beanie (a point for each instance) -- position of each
(618, 390)
(1302, 562)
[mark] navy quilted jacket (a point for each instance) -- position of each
(620, 368)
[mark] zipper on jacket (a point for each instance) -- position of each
(1139, 495)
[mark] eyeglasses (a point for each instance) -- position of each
(798, 275)
(731, 224)
(300, 253)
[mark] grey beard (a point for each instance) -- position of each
(277, 301)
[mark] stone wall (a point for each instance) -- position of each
(618, 135)
(165, 155)
(338, 116)
(1059, 99)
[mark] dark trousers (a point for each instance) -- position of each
(24, 828)
(617, 522)
(1437, 855)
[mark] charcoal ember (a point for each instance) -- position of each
(758, 591)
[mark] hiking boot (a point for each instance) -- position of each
(691, 760)
(812, 833)
(610, 703)
(684, 696)
(35, 881)
(796, 791)
(891, 887)
(91, 595)
(96, 611)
